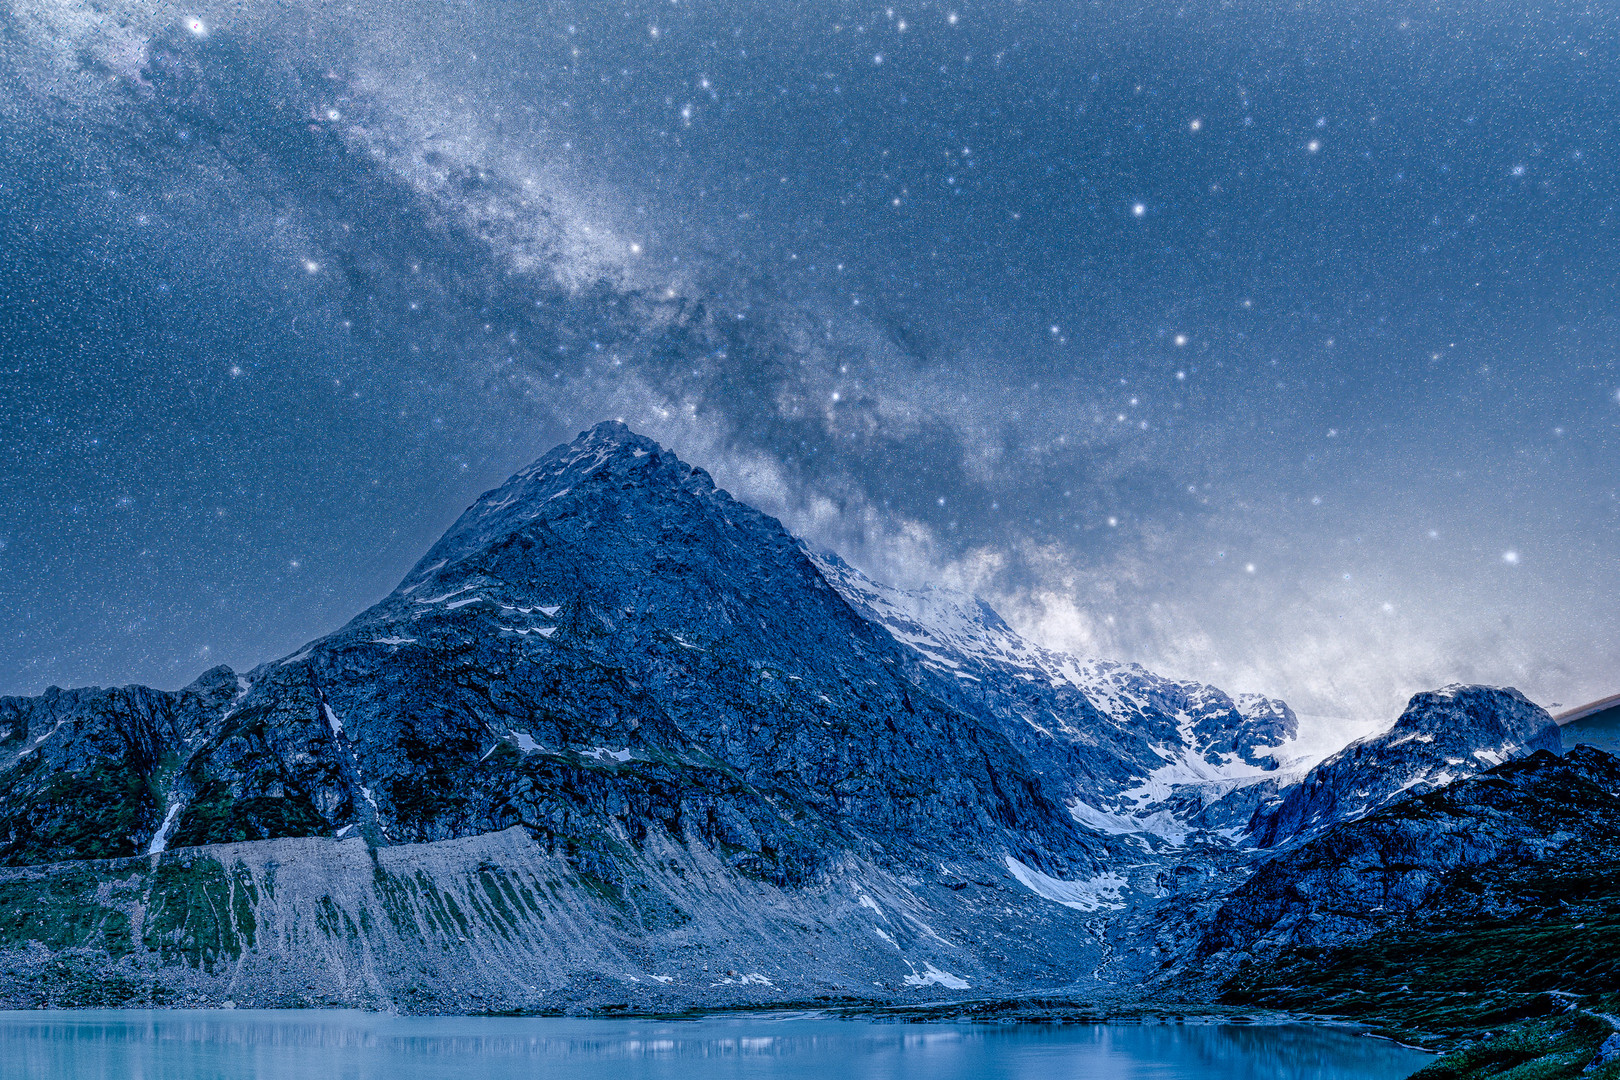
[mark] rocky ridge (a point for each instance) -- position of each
(1132, 752)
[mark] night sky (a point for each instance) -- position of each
(1269, 344)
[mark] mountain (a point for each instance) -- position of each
(1462, 909)
(620, 742)
(1130, 752)
(80, 771)
(1444, 735)
(612, 710)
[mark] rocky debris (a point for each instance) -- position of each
(499, 923)
(1443, 736)
(1607, 1053)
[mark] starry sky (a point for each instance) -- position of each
(1273, 345)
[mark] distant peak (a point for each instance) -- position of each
(609, 432)
(607, 439)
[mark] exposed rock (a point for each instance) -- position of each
(1500, 884)
(1130, 752)
(1443, 736)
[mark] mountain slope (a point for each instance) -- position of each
(642, 683)
(1442, 736)
(1130, 752)
(1444, 912)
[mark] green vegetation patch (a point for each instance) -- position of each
(218, 817)
(62, 911)
(1553, 1049)
(99, 814)
(198, 913)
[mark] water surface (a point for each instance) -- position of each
(273, 1045)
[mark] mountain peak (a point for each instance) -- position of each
(1444, 735)
(597, 444)
(578, 479)
(613, 435)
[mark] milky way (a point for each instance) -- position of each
(1272, 345)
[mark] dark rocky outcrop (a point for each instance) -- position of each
(1444, 913)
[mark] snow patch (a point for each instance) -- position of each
(331, 720)
(160, 841)
(1088, 895)
(36, 743)
(441, 598)
(525, 741)
(933, 976)
(393, 641)
(753, 978)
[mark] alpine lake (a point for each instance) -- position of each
(341, 1045)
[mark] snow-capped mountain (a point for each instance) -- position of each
(1443, 736)
(1131, 751)
(618, 737)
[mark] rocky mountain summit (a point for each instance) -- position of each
(1443, 736)
(619, 741)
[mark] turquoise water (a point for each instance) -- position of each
(276, 1045)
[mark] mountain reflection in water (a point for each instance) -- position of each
(280, 1045)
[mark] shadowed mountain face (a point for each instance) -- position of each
(605, 645)
(1446, 912)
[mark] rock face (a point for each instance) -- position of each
(1130, 752)
(81, 771)
(1444, 735)
(1442, 908)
